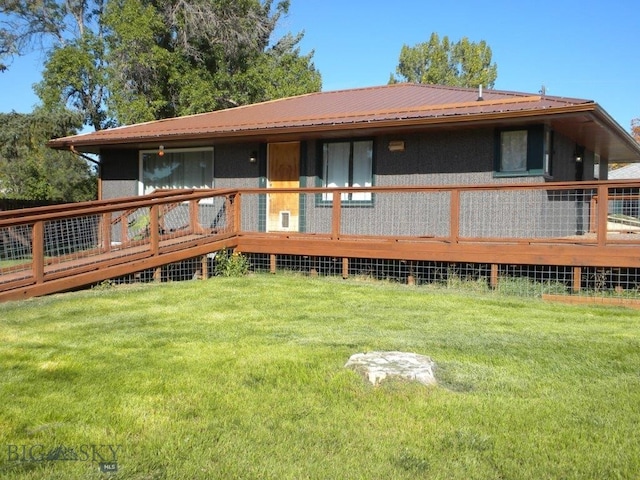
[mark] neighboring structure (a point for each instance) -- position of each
(628, 172)
(629, 207)
(403, 134)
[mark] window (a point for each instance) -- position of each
(186, 168)
(523, 152)
(348, 164)
(513, 151)
(548, 153)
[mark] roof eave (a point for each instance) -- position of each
(604, 120)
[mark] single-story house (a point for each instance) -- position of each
(402, 134)
(629, 207)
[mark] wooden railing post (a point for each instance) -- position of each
(336, 215)
(194, 223)
(603, 214)
(105, 231)
(236, 205)
(154, 226)
(454, 220)
(37, 251)
(124, 228)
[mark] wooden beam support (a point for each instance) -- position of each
(204, 266)
(272, 263)
(313, 271)
(576, 280)
(157, 274)
(500, 253)
(493, 282)
(345, 267)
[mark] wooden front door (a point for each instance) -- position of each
(283, 209)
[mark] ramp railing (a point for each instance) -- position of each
(57, 248)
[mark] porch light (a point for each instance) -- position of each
(253, 158)
(577, 154)
(161, 151)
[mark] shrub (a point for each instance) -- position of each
(233, 264)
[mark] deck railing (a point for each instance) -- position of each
(42, 248)
(521, 224)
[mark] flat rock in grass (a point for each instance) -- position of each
(376, 366)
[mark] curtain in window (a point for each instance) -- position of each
(336, 164)
(177, 170)
(362, 168)
(513, 155)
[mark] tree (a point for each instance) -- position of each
(461, 64)
(173, 57)
(30, 171)
(72, 32)
(635, 129)
(126, 61)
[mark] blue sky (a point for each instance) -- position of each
(584, 49)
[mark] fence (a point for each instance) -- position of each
(556, 237)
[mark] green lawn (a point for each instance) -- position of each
(243, 378)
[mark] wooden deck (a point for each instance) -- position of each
(438, 224)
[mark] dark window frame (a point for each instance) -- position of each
(535, 152)
(321, 168)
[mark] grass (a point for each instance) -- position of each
(243, 378)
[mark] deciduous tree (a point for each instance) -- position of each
(463, 63)
(125, 61)
(30, 171)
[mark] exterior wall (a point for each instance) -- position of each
(455, 158)
(231, 169)
(461, 157)
(231, 166)
(119, 173)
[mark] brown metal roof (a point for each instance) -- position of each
(389, 106)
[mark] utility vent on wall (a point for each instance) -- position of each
(284, 219)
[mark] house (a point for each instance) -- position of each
(630, 207)
(402, 134)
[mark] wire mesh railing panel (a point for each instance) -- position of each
(15, 252)
(302, 212)
(213, 215)
(136, 225)
(174, 219)
(252, 211)
(623, 213)
(528, 213)
(399, 214)
(317, 214)
(68, 240)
